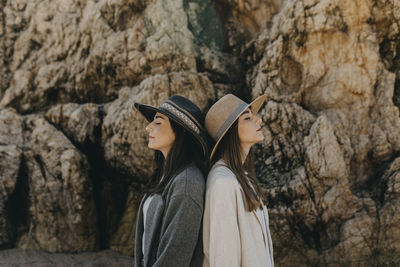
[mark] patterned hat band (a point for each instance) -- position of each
(181, 116)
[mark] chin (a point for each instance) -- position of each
(260, 138)
(151, 146)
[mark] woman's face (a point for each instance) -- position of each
(249, 128)
(161, 135)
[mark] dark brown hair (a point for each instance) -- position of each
(231, 152)
(184, 151)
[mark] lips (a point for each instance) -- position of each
(259, 130)
(151, 137)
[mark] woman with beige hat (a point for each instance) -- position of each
(168, 229)
(235, 223)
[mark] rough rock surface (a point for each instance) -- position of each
(62, 214)
(10, 160)
(73, 154)
(80, 123)
(27, 258)
(326, 56)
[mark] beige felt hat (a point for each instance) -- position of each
(225, 112)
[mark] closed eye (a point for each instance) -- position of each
(246, 114)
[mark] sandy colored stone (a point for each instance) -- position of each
(389, 219)
(80, 123)
(62, 215)
(327, 57)
(85, 51)
(285, 126)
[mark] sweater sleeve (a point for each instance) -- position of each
(182, 219)
(224, 237)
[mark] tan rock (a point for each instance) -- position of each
(90, 52)
(62, 215)
(81, 123)
(326, 56)
(324, 156)
(357, 235)
(282, 151)
(11, 124)
(389, 219)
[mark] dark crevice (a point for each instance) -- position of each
(41, 164)
(110, 189)
(208, 27)
(119, 21)
(318, 234)
(224, 12)
(60, 95)
(3, 15)
(209, 23)
(109, 197)
(376, 184)
(17, 205)
(5, 75)
(396, 93)
(98, 174)
(389, 50)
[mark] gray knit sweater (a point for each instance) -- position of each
(174, 219)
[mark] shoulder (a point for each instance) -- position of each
(191, 176)
(221, 177)
(189, 181)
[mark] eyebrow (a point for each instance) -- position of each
(158, 117)
(245, 112)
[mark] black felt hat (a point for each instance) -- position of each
(182, 111)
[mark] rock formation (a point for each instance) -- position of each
(73, 154)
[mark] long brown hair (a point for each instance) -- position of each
(231, 152)
(184, 151)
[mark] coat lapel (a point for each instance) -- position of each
(270, 246)
(256, 214)
(153, 224)
(259, 219)
(139, 234)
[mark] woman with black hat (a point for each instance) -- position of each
(236, 228)
(169, 217)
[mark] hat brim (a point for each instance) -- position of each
(255, 107)
(149, 112)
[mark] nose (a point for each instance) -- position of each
(148, 128)
(257, 120)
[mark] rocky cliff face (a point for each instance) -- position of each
(73, 153)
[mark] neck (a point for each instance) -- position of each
(165, 152)
(245, 151)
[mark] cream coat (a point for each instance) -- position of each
(232, 236)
